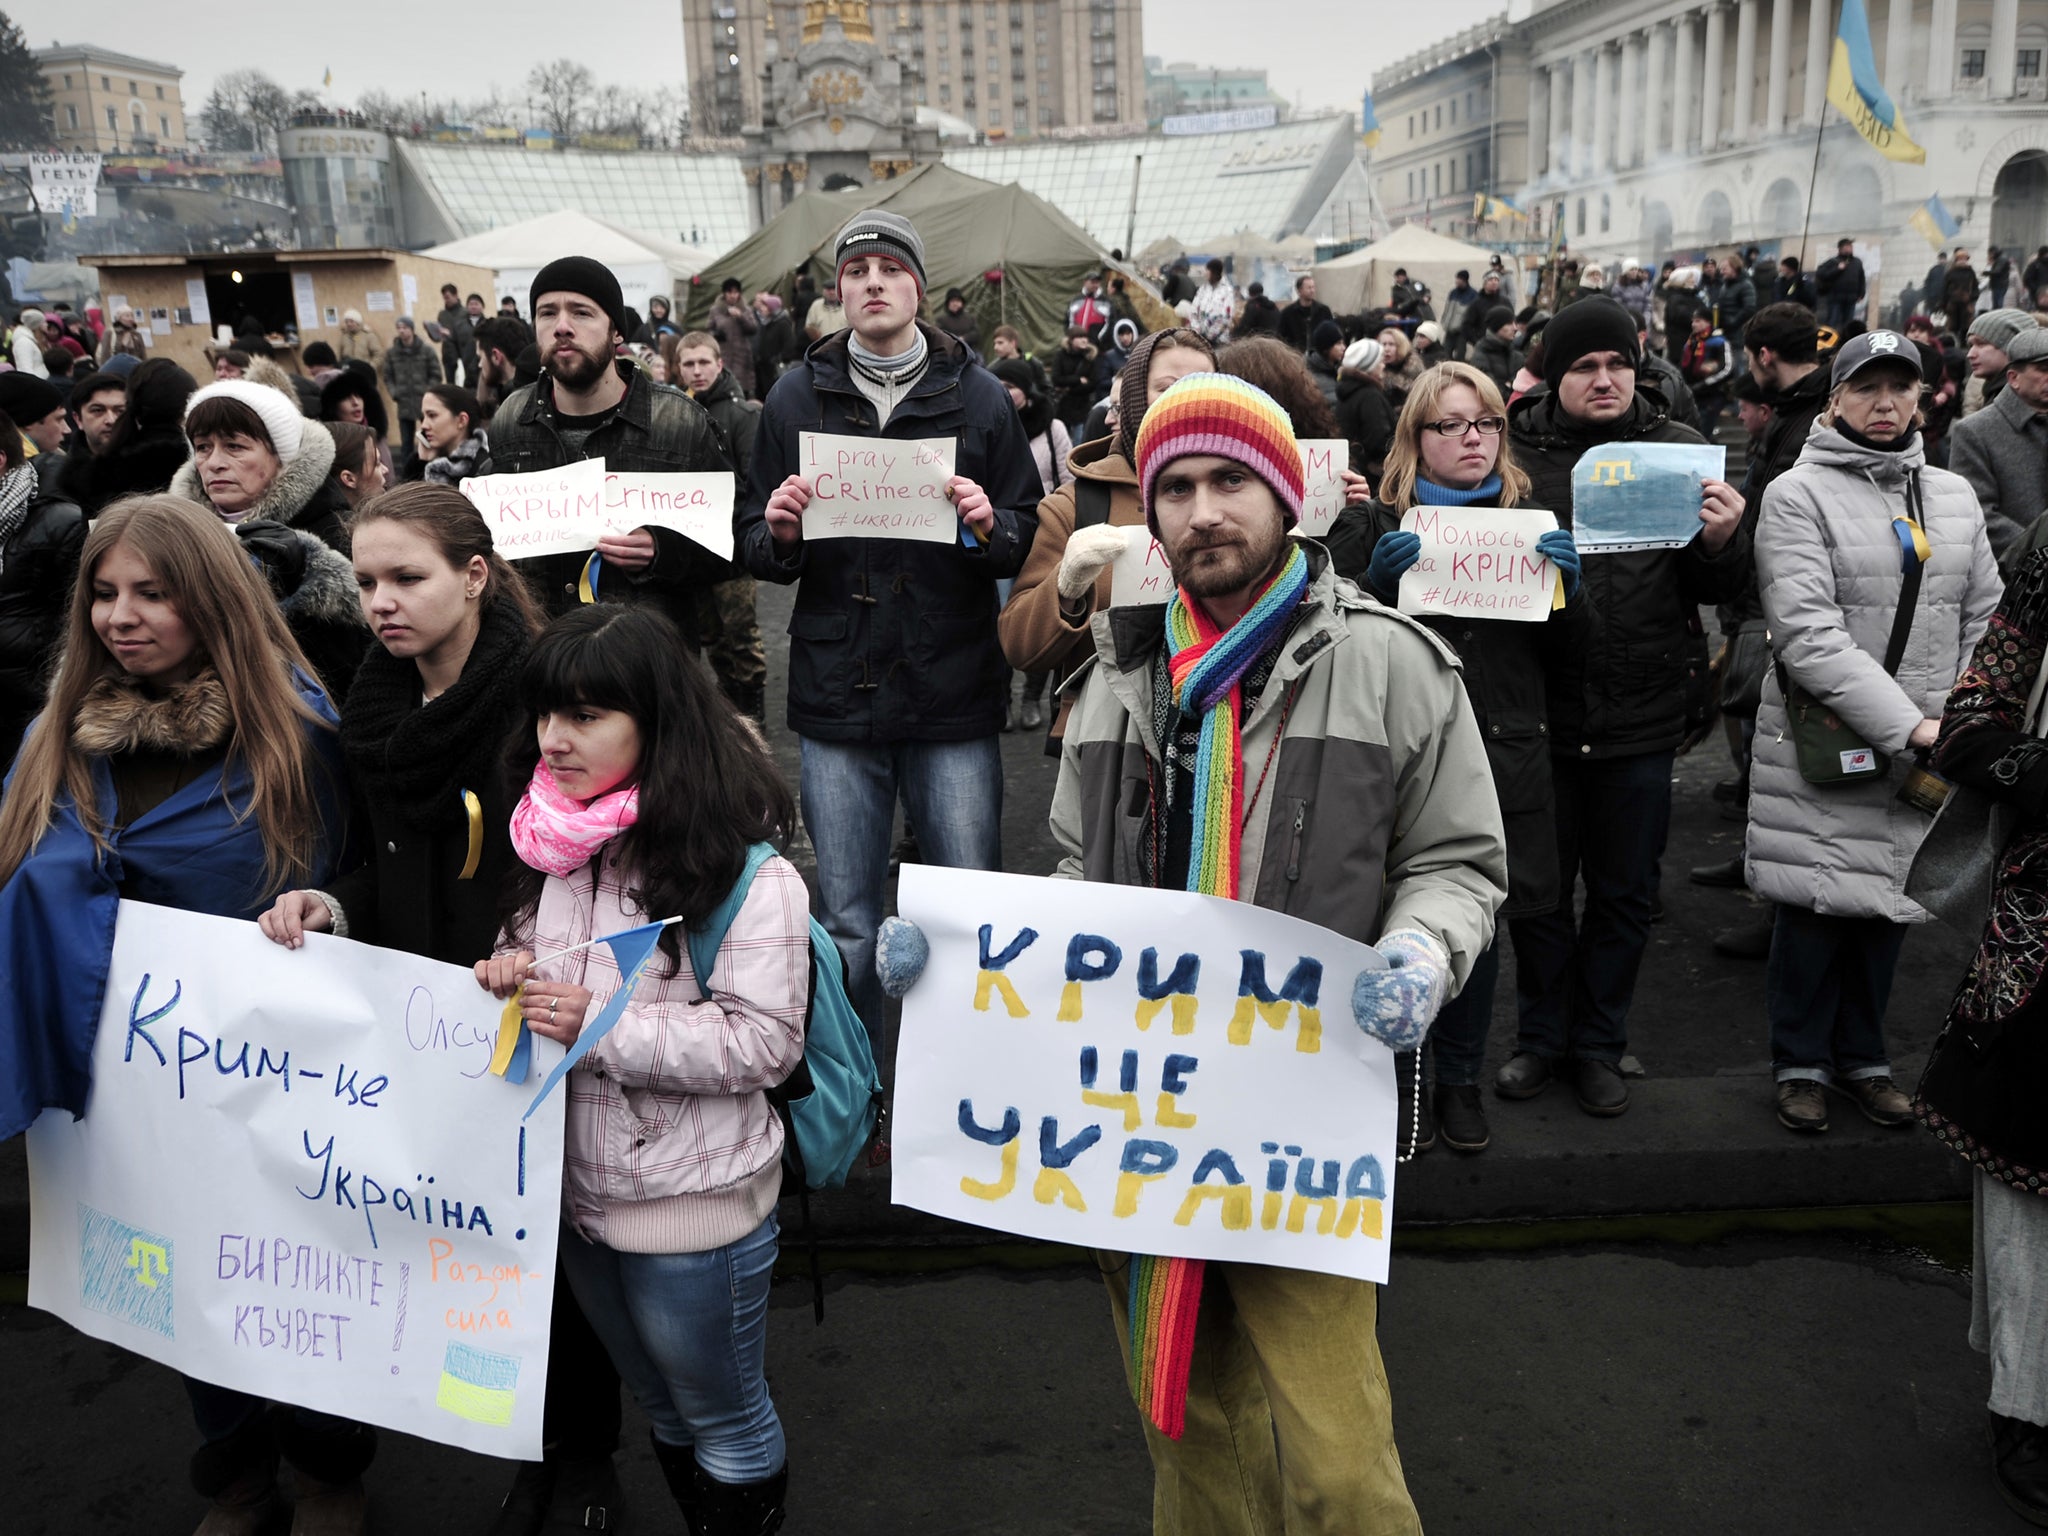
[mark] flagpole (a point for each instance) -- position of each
(1812, 182)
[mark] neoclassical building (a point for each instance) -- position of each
(1660, 126)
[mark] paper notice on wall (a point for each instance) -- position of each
(305, 302)
(567, 510)
(195, 300)
(160, 321)
(1480, 562)
(410, 287)
(878, 488)
(1323, 461)
(1141, 575)
(378, 299)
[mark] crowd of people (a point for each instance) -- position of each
(235, 617)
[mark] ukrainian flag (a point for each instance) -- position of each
(1857, 93)
(1368, 125)
(1935, 222)
(477, 1384)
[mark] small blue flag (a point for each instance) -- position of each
(631, 948)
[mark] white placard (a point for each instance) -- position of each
(196, 302)
(378, 299)
(65, 183)
(1480, 563)
(305, 302)
(878, 487)
(1141, 575)
(297, 1178)
(1122, 1068)
(410, 287)
(1323, 462)
(567, 510)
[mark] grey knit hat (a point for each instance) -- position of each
(878, 233)
(1999, 326)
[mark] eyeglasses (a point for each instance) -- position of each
(1489, 426)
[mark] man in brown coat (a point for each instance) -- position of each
(734, 323)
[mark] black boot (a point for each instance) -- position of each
(740, 1509)
(587, 1496)
(2019, 1465)
(679, 1467)
(238, 1476)
(1035, 684)
(526, 1502)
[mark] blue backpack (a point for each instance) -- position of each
(830, 1104)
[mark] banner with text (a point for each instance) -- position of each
(878, 487)
(566, 511)
(66, 183)
(1141, 1070)
(1323, 462)
(298, 1178)
(1480, 562)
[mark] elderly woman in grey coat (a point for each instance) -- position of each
(1837, 536)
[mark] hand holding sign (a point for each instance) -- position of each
(971, 505)
(583, 506)
(1631, 496)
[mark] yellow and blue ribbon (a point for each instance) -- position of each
(1913, 547)
(586, 584)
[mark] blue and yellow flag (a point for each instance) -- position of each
(1368, 125)
(631, 949)
(1859, 94)
(1486, 207)
(1935, 223)
(328, 78)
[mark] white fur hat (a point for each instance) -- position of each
(280, 417)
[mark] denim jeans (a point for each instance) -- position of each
(952, 792)
(1825, 990)
(1576, 975)
(1457, 1040)
(689, 1334)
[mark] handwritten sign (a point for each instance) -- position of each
(878, 488)
(1323, 460)
(1141, 574)
(1479, 562)
(567, 510)
(1628, 496)
(1145, 1071)
(298, 1178)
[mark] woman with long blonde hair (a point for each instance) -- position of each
(1450, 449)
(185, 757)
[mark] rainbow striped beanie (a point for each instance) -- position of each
(1218, 414)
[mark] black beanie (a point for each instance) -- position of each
(579, 274)
(1325, 336)
(1592, 324)
(1498, 316)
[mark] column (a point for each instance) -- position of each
(1941, 50)
(2001, 58)
(1778, 81)
(1539, 125)
(1898, 46)
(1684, 116)
(1582, 114)
(1744, 126)
(1710, 82)
(1820, 50)
(1630, 132)
(1656, 63)
(1604, 145)
(1561, 109)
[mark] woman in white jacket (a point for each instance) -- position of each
(647, 791)
(1837, 536)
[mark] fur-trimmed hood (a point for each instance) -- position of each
(297, 487)
(309, 580)
(118, 715)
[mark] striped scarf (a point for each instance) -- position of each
(1207, 665)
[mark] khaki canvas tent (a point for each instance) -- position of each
(643, 264)
(1366, 278)
(1018, 259)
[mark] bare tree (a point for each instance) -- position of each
(563, 92)
(249, 111)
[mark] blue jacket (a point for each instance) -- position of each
(57, 913)
(895, 639)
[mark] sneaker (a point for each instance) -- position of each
(1801, 1105)
(1525, 1075)
(1461, 1117)
(1880, 1100)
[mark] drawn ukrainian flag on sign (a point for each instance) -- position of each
(1859, 94)
(477, 1384)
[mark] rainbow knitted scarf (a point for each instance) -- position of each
(1207, 665)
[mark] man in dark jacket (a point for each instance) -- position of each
(726, 622)
(1299, 319)
(1840, 283)
(1734, 302)
(588, 405)
(1494, 353)
(1959, 289)
(2035, 277)
(1475, 323)
(896, 681)
(1613, 738)
(458, 339)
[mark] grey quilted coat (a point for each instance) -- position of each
(1830, 570)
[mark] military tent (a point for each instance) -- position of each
(1018, 259)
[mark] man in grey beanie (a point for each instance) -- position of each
(2003, 449)
(1991, 333)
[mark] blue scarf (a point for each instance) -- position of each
(1430, 494)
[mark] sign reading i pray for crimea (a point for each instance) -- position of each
(1144, 1071)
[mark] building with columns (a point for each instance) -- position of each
(1661, 127)
(1454, 120)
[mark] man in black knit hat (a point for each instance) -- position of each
(1613, 738)
(588, 404)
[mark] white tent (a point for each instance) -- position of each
(1366, 277)
(643, 264)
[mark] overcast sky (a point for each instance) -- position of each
(1320, 52)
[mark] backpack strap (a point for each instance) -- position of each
(704, 942)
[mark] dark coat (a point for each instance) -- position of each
(1988, 1073)
(1670, 383)
(1366, 416)
(1792, 417)
(40, 565)
(895, 639)
(1496, 357)
(315, 588)
(736, 417)
(1510, 668)
(1298, 322)
(656, 429)
(963, 325)
(1638, 671)
(1841, 279)
(775, 347)
(142, 467)
(1073, 384)
(407, 372)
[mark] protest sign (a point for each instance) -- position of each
(1142, 1070)
(1640, 495)
(297, 1177)
(1323, 462)
(1141, 574)
(65, 182)
(567, 510)
(1480, 562)
(878, 487)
